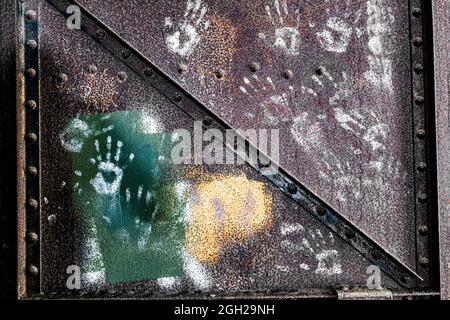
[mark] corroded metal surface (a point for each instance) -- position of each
(333, 76)
(441, 14)
(278, 249)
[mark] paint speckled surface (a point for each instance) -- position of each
(333, 76)
(270, 243)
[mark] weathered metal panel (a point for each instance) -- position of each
(333, 84)
(441, 23)
(75, 73)
(345, 133)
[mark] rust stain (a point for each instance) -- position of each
(99, 90)
(225, 210)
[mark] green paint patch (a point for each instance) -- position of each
(123, 189)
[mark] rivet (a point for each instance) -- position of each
(418, 68)
(100, 34)
(418, 41)
(32, 237)
(207, 122)
(254, 67)
(33, 204)
(178, 97)
(423, 198)
(31, 137)
(376, 255)
(288, 74)
(220, 73)
(31, 73)
(423, 230)
(182, 68)
(292, 188)
(420, 100)
(32, 171)
(51, 219)
(148, 72)
(62, 78)
(319, 71)
(405, 279)
(417, 12)
(423, 261)
(31, 15)
(32, 269)
(31, 44)
(122, 75)
(321, 211)
(420, 133)
(421, 166)
(31, 105)
(126, 54)
(92, 69)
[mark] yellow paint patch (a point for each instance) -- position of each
(225, 210)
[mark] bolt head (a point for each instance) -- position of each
(420, 100)
(31, 105)
(31, 73)
(101, 34)
(421, 133)
(416, 12)
(177, 97)
(122, 75)
(32, 171)
(424, 262)
(31, 137)
(288, 74)
(423, 198)
(51, 219)
(33, 270)
(61, 78)
(421, 166)
(418, 68)
(148, 72)
(418, 41)
(254, 67)
(220, 73)
(32, 237)
(31, 15)
(33, 204)
(32, 44)
(423, 230)
(92, 69)
(292, 188)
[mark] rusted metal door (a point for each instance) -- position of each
(346, 86)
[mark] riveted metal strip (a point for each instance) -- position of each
(282, 179)
(422, 104)
(29, 167)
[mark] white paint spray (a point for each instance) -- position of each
(184, 36)
(286, 36)
(336, 35)
(313, 244)
(274, 103)
(379, 21)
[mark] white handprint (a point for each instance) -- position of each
(274, 103)
(109, 175)
(184, 36)
(286, 35)
(312, 243)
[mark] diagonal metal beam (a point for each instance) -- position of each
(321, 210)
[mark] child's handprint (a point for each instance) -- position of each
(286, 36)
(183, 37)
(312, 243)
(109, 174)
(274, 103)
